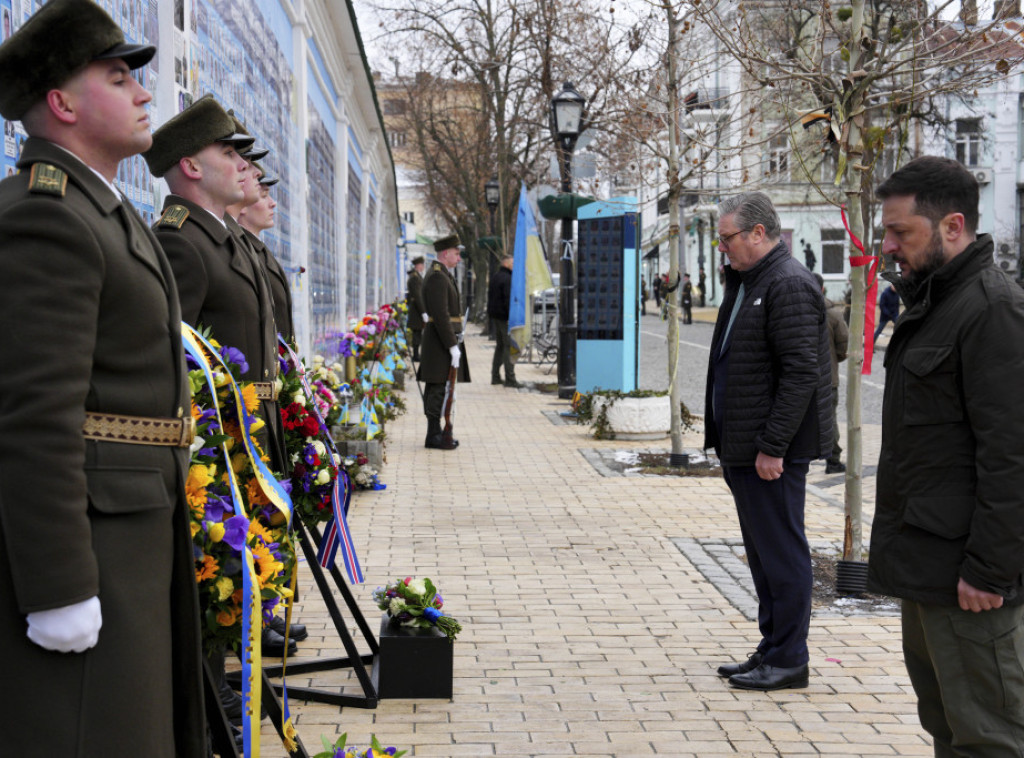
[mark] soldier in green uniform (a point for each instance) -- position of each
(98, 609)
(256, 219)
(414, 299)
(442, 338)
(221, 284)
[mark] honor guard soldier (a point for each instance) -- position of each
(254, 220)
(414, 300)
(220, 282)
(442, 338)
(98, 608)
(250, 196)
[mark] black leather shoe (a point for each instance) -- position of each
(274, 644)
(439, 442)
(495, 380)
(731, 669)
(766, 677)
(513, 383)
(296, 632)
(835, 467)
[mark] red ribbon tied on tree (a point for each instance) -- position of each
(871, 297)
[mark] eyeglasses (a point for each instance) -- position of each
(725, 240)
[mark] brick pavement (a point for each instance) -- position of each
(586, 630)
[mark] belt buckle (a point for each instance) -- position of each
(188, 432)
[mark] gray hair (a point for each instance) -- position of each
(753, 208)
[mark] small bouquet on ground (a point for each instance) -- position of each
(362, 474)
(338, 749)
(416, 602)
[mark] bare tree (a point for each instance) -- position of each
(515, 54)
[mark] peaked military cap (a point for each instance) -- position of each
(418, 260)
(265, 179)
(198, 126)
(58, 41)
(253, 153)
(446, 243)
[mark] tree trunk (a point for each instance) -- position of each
(672, 299)
(854, 148)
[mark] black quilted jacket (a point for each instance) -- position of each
(778, 392)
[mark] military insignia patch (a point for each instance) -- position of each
(47, 180)
(174, 216)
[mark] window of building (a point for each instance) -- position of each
(778, 157)
(833, 250)
(409, 217)
(968, 141)
(396, 138)
(394, 106)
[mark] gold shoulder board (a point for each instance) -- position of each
(47, 180)
(174, 216)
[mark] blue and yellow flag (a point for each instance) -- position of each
(530, 274)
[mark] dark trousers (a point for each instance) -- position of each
(417, 340)
(837, 449)
(502, 344)
(433, 400)
(771, 515)
(688, 313)
(968, 676)
(882, 321)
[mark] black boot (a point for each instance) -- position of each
(436, 439)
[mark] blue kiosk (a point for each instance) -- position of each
(608, 295)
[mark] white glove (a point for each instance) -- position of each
(70, 629)
(456, 355)
(426, 318)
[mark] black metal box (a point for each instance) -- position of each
(412, 662)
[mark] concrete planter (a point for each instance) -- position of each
(637, 418)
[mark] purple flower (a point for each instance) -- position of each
(309, 455)
(236, 529)
(285, 366)
(207, 452)
(286, 485)
(236, 356)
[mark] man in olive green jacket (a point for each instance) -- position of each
(948, 533)
(96, 560)
(442, 339)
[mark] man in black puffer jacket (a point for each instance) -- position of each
(948, 533)
(768, 414)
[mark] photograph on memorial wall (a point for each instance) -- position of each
(325, 310)
(354, 218)
(235, 54)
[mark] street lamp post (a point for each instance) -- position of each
(566, 117)
(492, 195)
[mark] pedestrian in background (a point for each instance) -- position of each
(643, 297)
(99, 616)
(948, 532)
(838, 343)
(687, 300)
(499, 297)
(889, 307)
(702, 284)
(656, 289)
(768, 415)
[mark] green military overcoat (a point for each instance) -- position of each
(91, 322)
(279, 287)
(223, 287)
(441, 302)
(414, 299)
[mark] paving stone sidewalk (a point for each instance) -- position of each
(587, 629)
